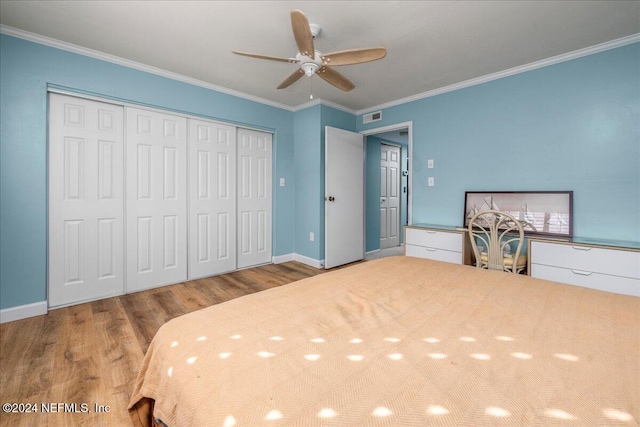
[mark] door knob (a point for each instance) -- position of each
(383, 200)
(331, 198)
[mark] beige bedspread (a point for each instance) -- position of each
(402, 342)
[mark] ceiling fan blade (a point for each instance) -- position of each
(354, 56)
(270, 58)
(291, 79)
(302, 33)
(335, 78)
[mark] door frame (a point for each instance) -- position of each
(397, 126)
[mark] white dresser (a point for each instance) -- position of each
(440, 243)
(592, 265)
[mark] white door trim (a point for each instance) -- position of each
(398, 126)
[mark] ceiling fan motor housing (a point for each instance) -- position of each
(308, 65)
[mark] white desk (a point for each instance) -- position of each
(598, 264)
(437, 242)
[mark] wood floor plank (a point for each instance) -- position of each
(33, 342)
(77, 375)
(120, 357)
(91, 353)
(143, 317)
(191, 299)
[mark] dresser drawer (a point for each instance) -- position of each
(602, 282)
(433, 253)
(434, 239)
(587, 259)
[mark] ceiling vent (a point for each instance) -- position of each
(372, 117)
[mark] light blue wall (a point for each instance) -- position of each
(309, 132)
(570, 126)
(26, 69)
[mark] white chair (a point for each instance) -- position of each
(495, 231)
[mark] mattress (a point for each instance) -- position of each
(399, 341)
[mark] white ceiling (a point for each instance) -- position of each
(430, 44)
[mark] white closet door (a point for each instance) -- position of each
(156, 199)
(86, 201)
(389, 196)
(254, 198)
(212, 198)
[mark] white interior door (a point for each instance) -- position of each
(156, 199)
(86, 201)
(389, 196)
(254, 198)
(212, 198)
(344, 197)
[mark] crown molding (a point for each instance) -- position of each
(320, 101)
(47, 41)
(634, 38)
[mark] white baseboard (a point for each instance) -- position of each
(279, 259)
(308, 261)
(23, 311)
(371, 252)
(300, 258)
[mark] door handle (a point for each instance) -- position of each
(331, 198)
(383, 200)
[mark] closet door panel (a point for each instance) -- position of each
(254, 198)
(212, 198)
(156, 199)
(86, 200)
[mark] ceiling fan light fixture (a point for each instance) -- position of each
(309, 68)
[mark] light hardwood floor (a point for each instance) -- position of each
(90, 353)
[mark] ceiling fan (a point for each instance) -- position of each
(311, 61)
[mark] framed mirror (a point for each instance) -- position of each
(540, 212)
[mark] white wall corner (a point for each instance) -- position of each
(309, 261)
(23, 311)
(279, 259)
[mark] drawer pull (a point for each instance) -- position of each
(581, 248)
(431, 249)
(582, 273)
(431, 231)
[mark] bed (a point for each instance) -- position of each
(399, 341)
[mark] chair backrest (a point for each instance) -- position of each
(496, 230)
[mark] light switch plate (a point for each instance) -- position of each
(431, 181)
(430, 163)
(281, 182)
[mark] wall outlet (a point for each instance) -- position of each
(431, 182)
(312, 237)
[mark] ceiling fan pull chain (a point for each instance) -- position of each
(311, 90)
